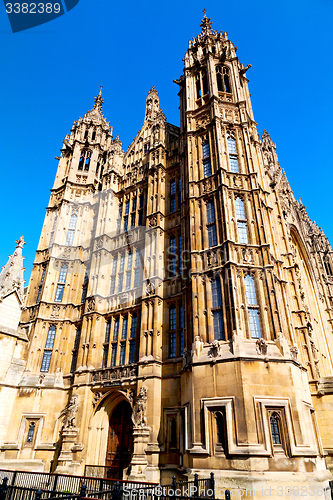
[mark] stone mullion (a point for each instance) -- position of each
(274, 302)
(195, 306)
(96, 340)
(243, 315)
(84, 337)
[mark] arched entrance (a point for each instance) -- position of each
(120, 441)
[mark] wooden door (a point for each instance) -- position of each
(120, 441)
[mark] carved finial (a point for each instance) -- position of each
(206, 24)
(20, 242)
(99, 101)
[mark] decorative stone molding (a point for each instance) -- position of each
(261, 347)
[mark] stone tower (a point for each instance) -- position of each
(180, 304)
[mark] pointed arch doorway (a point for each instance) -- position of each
(120, 441)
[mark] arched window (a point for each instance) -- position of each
(71, 229)
(206, 158)
(84, 160)
(31, 432)
(221, 429)
(93, 137)
(173, 433)
(275, 428)
(211, 224)
(87, 162)
(61, 283)
(53, 229)
(222, 79)
(327, 267)
(48, 349)
(241, 221)
(250, 291)
(252, 307)
(233, 157)
(217, 309)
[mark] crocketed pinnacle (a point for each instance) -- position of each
(206, 24)
(99, 101)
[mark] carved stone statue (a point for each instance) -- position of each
(139, 411)
(70, 412)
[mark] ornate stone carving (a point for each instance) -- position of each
(70, 412)
(294, 352)
(91, 305)
(214, 350)
(261, 347)
(139, 411)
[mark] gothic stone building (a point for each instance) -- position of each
(179, 313)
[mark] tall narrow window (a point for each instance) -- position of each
(87, 162)
(75, 349)
(122, 353)
(222, 79)
(275, 428)
(41, 284)
(116, 329)
(180, 250)
(173, 195)
(233, 157)
(172, 331)
(114, 355)
(48, 349)
(172, 256)
(84, 287)
(107, 332)
(211, 224)
(53, 230)
(133, 335)
(241, 221)
(124, 330)
(137, 271)
(252, 307)
(206, 159)
(181, 331)
(125, 223)
(217, 309)
(61, 283)
(221, 430)
(141, 207)
(31, 432)
(127, 205)
(121, 272)
(71, 229)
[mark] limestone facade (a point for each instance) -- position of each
(182, 284)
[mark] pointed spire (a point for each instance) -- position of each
(206, 24)
(11, 276)
(152, 104)
(99, 101)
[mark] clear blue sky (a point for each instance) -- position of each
(51, 73)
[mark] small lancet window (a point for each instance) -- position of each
(198, 86)
(327, 268)
(87, 162)
(173, 433)
(81, 162)
(31, 432)
(222, 79)
(233, 157)
(93, 137)
(221, 430)
(275, 428)
(86, 134)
